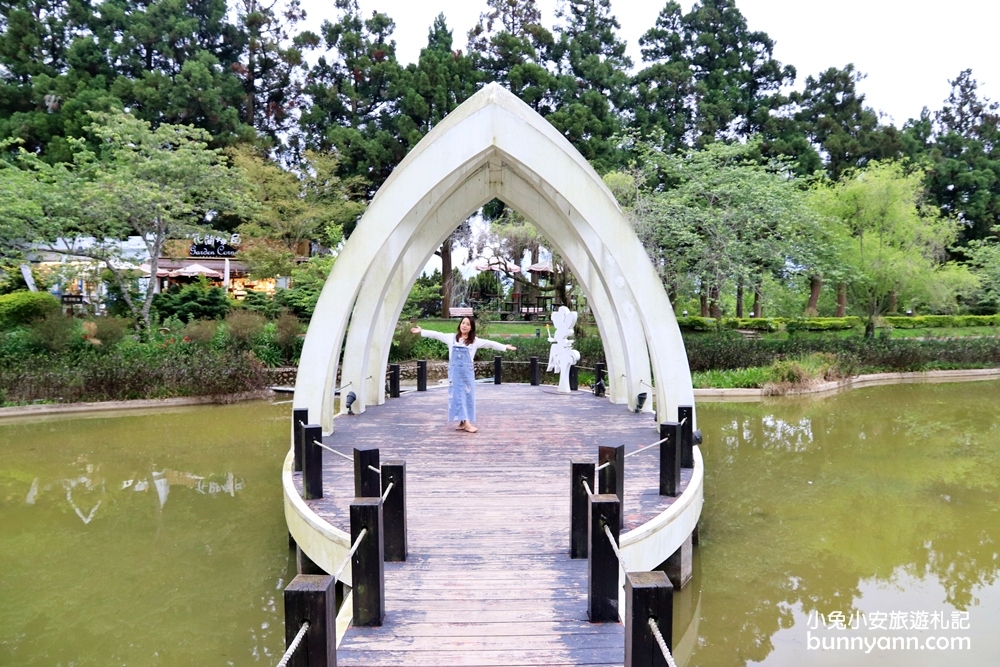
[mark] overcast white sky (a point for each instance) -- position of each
(908, 48)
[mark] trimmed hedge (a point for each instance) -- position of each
(20, 308)
(823, 324)
(694, 323)
(768, 324)
(938, 321)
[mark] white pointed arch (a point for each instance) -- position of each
(493, 145)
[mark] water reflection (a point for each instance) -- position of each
(91, 489)
(811, 505)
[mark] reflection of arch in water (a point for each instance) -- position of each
(684, 615)
(492, 146)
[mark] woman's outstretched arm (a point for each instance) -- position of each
(446, 338)
(493, 345)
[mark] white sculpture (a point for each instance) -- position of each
(561, 353)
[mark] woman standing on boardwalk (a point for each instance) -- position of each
(461, 371)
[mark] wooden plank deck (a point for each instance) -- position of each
(488, 580)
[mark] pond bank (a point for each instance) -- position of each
(69, 408)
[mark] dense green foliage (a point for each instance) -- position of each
(19, 308)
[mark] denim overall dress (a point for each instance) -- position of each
(462, 392)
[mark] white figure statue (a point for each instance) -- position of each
(561, 353)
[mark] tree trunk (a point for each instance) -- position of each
(714, 306)
(758, 301)
(841, 299)
(893, 303)
(815, 285)
(672, 295)
(446, 278)
(704, 300)
(739, 298)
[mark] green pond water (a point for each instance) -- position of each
(158, 538)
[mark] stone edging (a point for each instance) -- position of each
(69, 408)
(857, 382)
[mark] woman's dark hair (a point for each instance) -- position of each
(471, 338)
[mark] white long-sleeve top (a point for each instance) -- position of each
(449, 340)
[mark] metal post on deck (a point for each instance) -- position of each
(670, 459)
(366, 472)
(497, 369)
(611, 470)
(312, 461)
(580, 472)
(310, 598)
(602, 562)
(422, 375)
(393, 380)
(574, 378)
(599, 386)
(299, 416)
(648, 595)
(367, 565)
(536, 376)
(394, 510)
(685, 415)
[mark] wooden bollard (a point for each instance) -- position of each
(574, 378)
(647, 595)
(670, 459)
(393, 380)
(536, 374)
(580, 472)
(367, 565)
(602, 563)
(611, 478)
(312, 461)
(304, 564)
(422, 375)
(685, 415)
(599, 386)
(498, 370)
(366, 481)
(311, 597)
(299, 416)
(394, 510)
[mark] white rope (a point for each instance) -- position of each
(357, 543)
(385, 494)
(294, 645)
(663, 645)
(332, 450)
(614, 545)
(602, 466)
(374, 469)
(587, 487)
(642, 449)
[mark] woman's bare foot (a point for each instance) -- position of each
(470, 428)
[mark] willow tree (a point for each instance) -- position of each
(898, 243)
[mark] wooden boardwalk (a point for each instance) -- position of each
(488, 579)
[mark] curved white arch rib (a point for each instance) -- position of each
(494, 121)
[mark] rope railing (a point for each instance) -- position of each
(661, 642)
(587, 487)
(385, 494)
(614, 547)
(350, 554)
(334, 451)
(290, 651)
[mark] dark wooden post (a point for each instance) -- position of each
(394, 510)
(670, 459)
(599, 386)
(422, 375)
(304, 564)
(647, 595)
(580, 471)
(536, 375)
(393, 380)
(299, 416)
(611, 478)
(367, 566)
(574, 378)
(685, 415)
(602, 563)
(366, 481)
(311, 597)
(497, 369)
(312, 461)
